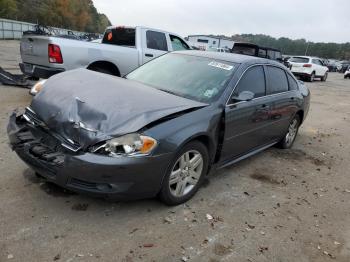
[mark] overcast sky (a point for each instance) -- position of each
(314, 20)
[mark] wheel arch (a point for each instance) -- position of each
(300, 113)
(105, 65)
(207, 141)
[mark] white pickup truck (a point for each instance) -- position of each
(121, 50)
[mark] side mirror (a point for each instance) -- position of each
(243, 96)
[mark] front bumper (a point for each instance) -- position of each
(120, 178)
(39, 71)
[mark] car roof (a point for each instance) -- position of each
(310, 57)
(229, 57)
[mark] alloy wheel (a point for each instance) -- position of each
(186, 173)
(292, 131)
(312, 78)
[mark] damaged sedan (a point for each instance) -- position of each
(160, 130)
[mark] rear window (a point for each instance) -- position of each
(299, 60)
(262, 53)
(244, 50)
(120, 36)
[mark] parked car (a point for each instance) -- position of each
(347, 73)
(122, 50)
(285, 59)
(332, 65)
(308, 68)
(162, 128)
(258, 51)
(343, 66)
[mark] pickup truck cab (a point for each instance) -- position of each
(121, 50)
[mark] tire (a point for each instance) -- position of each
(102, 70)
(324, 78)
(289, 138)
(182, 180)
(311, 78)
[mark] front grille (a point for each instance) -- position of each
(30, 116)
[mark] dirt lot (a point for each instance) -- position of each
(290, 205)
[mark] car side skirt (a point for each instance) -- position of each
(249, 154)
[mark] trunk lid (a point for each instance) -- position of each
(34, 49)
(88, 107)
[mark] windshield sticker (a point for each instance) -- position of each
(210, 92)
(221, 65)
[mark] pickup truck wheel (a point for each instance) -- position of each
(324, 78)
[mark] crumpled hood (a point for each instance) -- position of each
(88, 107)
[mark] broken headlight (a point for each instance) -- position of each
(127, 145)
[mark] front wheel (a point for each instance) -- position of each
(324, 78)
(289, 138)
(185, 175)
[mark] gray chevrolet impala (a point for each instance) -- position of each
(160, 130)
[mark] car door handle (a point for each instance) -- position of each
(149, 55)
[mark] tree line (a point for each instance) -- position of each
(299, 46)
(80, 15)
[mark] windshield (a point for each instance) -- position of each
(199, 78)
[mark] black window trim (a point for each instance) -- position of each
(254, 99)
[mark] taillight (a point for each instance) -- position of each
(307, 65)
(55, 55)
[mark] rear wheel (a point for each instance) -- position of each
(185, 175)
(289, 138)
(324, 78)
(312, 77)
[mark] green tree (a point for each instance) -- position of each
(8, 8)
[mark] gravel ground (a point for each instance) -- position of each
(290, 205)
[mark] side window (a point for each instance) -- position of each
(276, 80)
(253, 80)
(262, 53)
(293, 85)
(316, 61)
(271, 54)
(178, 44)
(156, 40)
(278, 55)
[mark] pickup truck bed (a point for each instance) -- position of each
(122, 50)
